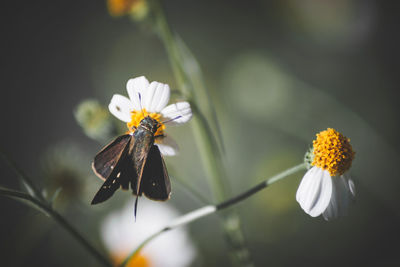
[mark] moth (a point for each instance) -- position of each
(133, 160)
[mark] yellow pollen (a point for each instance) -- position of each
(138, 116)
(332, 152)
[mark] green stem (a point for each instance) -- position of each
(210, 209)
(47, 210)
(173, 54)
(203, 134)
(30, 186)
(205, 140)
(144, 243)
(209, 155)
(260, 186)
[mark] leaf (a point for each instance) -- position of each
(24, 198)
(31, 205)
(28, 188)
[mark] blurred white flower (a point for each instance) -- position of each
(94, 120)
(66, 176)
(121, 235)
(150, 99)
(326, 188)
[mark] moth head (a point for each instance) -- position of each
(150, 124)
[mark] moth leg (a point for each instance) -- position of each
(133, 128)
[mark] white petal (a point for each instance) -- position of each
(167, 146)
(120, 107)
(314, 192)
(342, 196)
(172, 249)
(181, 109)
(134, 87)
(156, 97)
(351, 186)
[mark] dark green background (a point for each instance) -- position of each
(278, 72)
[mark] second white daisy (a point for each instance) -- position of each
(327, 188)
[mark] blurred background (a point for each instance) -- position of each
(278, 72)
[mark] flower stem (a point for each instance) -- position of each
(29, 185)
(35, 198)
(210, 209)
(260, 186)
(203, 134)
(49, 211)
(205, 139)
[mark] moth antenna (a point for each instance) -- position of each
(140, 104)
(177, 117)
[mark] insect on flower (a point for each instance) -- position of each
(134, 159)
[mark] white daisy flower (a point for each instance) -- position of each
(327, 188)
(150, 99)
(121, 236)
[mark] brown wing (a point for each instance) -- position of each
(139, 154)
(108, 188)
(140, 150)
(107, 158)
(121, 175)
(155, 181)
(118, 171)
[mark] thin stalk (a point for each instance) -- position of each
(210, 209)
(210, 156)
(47, 210)
(30, 186)
(205, 140)
(260, 186)
(203, 134)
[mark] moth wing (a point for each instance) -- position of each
(121, 174)
(155, 182)
(140, 155)
(107, 158)
(107, 189)
(128, 173)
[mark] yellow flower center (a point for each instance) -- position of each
(138, 116)
(139, 260)
(332, 152)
